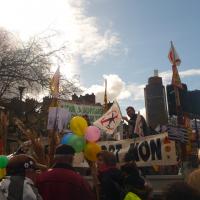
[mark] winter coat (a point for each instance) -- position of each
(63, 183)
(19, 188)
(111, 184)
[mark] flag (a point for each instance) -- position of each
(173, 56)
(110, 120)
(175, 61)
(138, 125)
(54, 84)
(105, 97)
(178, 134)
(176, 81)
(58, 118)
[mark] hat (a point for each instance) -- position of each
(64, 149)
(19, 163)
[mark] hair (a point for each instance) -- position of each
(130, 107)
(194, 179)
(108, 158)
(181, 190)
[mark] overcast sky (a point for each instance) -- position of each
(121, 40)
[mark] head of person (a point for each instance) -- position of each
(194, 179)
(64, 154)
(22, 165)
(130, 111)
(106, 159)
(181, 190)
(130, 169)
(86, 117)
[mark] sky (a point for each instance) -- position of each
(120, 40)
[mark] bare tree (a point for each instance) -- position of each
(26, 64)
(69, 87)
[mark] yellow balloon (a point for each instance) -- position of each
(91, 151)
(78, 125)
(2, 173)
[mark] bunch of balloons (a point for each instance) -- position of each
(83, 138)
(92, 135)
(3, 165)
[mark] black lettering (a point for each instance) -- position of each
(144, 150)
(156, 149)
(133, 152)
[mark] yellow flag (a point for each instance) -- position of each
(54, 84)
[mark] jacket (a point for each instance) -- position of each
(18, 188)
(63, 183)
(111, 184)
(131, 196)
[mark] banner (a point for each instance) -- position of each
(57, 118)
(94, 112)
(147, 151)
(110, 120)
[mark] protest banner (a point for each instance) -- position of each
(147, 151)
(94, 112)
(110, 120)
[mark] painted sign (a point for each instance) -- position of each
(147, 151)
(94, 112)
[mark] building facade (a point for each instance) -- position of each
(155, 102)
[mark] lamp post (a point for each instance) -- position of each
(21, 90)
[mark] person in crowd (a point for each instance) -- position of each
(20, 179)
(181, 191)
(86, 117)
(111, 179)
(61, 182)
(132, 122)
(135, 186)
(194, 179)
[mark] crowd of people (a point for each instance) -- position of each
(28, 180)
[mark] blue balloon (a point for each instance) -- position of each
(65, 138)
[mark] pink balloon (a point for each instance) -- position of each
(92, 133)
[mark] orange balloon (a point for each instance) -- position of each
(91, 151)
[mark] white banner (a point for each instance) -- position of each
(147, 151)
(110, 120)
(57, 117)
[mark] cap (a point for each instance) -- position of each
(64, 149)
(19, 163)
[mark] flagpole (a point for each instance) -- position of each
(105, 98)
(52, 134)
(179, 110)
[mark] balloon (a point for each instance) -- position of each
(2, 173)
(65, 138)
(92, 133)
(91, 151)
(3, 161)
(78, 125)
(77, 142)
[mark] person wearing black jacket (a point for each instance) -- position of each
(111, 179)
(132, 122)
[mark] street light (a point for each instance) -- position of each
(21, 90)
